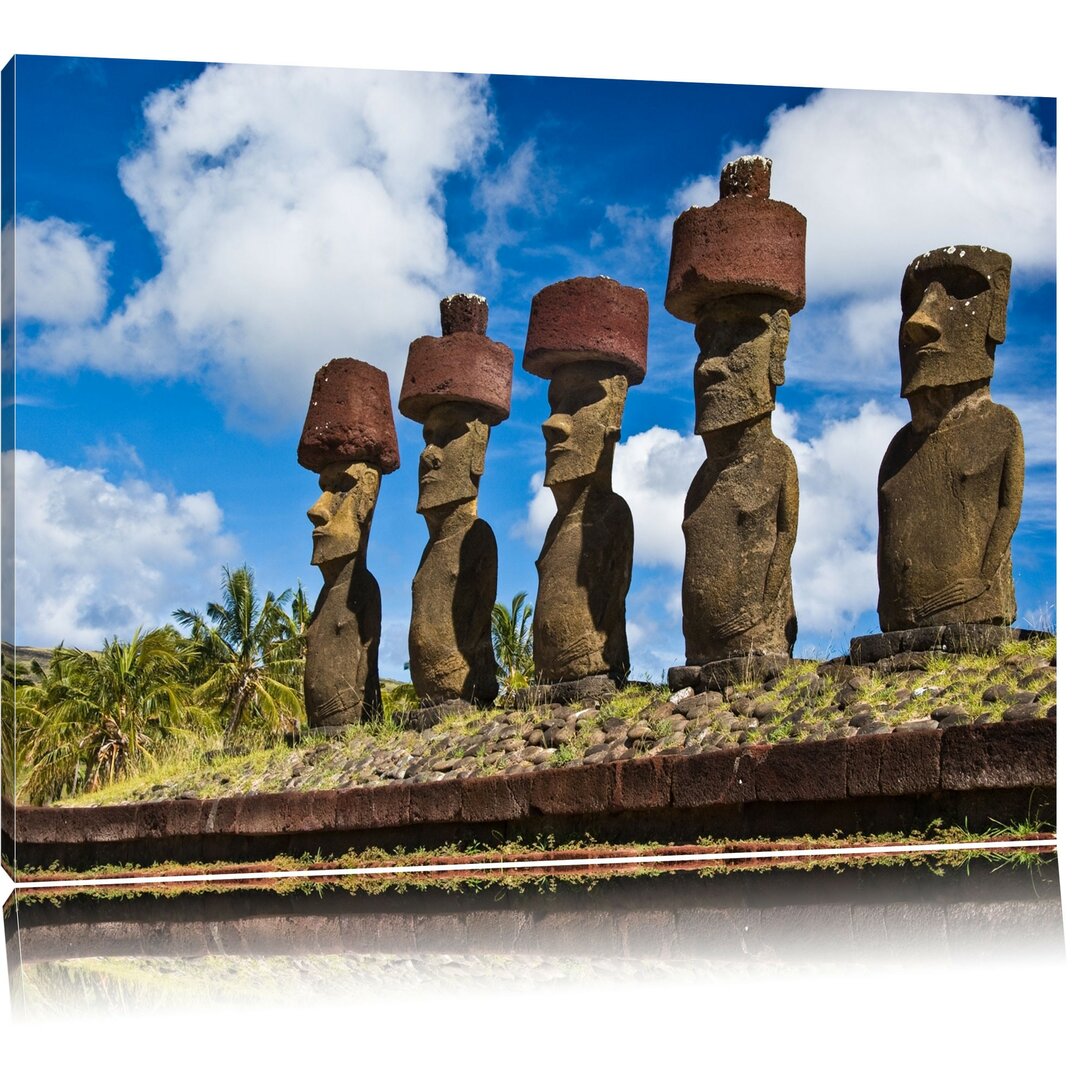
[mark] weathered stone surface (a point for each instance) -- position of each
(734, 669)
(951, 481)
(723, 777)
(978, 638)
(463, 313)
(590, 688)
(583, 320)
(457, 386)
(349, 418)
(591, 348)
(911, 762)
(744, 243)
(425, 718)
(1017, 754)
(798, 771)
(737, 273)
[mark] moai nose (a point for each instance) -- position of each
(556, 428)
(924, 324)
(319, 512)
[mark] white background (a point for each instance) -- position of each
(999, 1021)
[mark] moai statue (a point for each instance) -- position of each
(349, 440)
(950, 484)
(457, 386)
(738, 273)
(588, 336)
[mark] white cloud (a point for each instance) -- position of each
(61, 272)
(834, 565)
(883, 176)
(652, 472)
(93, 558)
(299, 216)
(519, 185)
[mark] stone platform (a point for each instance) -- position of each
(977, 638)
(727, 672)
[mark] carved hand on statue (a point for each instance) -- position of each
(959, 592)
(742, 620)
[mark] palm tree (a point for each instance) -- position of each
(93, 716)
(511, 635)
(248, 654)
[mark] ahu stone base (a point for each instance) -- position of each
(977, 638)
(717, 674)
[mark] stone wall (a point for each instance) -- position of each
(964, 774)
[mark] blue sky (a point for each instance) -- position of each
(224, 231)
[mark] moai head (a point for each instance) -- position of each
(457, 386)
(350, 441)
(589, 337)
(953, 302)
(738, 273)
(743, 342)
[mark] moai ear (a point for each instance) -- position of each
(999, 291)
(781, 325)
(368, 479)
(617, 386)
(478, 441)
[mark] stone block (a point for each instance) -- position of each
(793, 772)
(1019, 754)
(586, 789)
(438, 801)
(910, 762)
(642, 783)
(495, 798)
(724, 776)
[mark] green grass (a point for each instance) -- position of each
(961, 679)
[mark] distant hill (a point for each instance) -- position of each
(26, 653)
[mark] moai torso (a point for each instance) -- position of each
(579, 628)
(938, 502)
(732, 524)
(341, 673)
(450, 649)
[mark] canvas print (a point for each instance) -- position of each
(416, 468)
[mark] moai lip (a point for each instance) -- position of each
(744, 243)
(588, 336)
(349, 439)
(457, 386)
(951, 482)
(737, 272)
